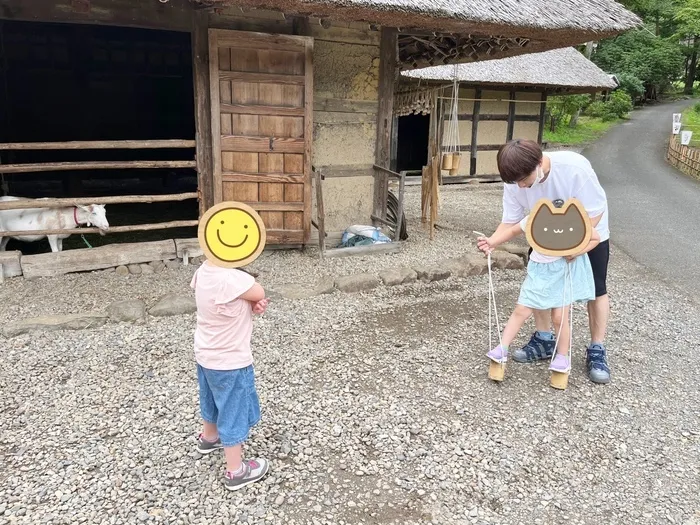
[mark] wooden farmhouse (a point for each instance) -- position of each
(498, 100)
(161, 108)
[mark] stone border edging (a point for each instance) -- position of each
(507, 257)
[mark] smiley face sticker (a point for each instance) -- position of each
(231, 234)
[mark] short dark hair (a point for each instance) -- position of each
(517, 159)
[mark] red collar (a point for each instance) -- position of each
(75, 216)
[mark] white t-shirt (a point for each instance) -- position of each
(570, 176)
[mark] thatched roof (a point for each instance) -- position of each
(538, 25)
(559, 68)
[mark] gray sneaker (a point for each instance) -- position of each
(207, 447)
(253, 470)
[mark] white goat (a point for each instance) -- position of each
(66, 218)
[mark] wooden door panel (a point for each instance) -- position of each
(262, 108)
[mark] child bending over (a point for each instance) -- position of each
(226, 300)
(552, 283)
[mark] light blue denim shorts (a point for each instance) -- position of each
(228, 398)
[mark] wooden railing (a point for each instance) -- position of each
(83, 165)
(685, 158)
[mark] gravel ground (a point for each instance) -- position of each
(376, 406)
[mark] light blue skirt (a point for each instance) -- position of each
(556, 284)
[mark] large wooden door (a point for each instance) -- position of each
(262, 109)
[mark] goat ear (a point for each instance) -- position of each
(84, 208)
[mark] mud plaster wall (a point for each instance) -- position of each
(528, 108)
(349, 72)
(346, 79)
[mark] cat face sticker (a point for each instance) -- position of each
(559, 231)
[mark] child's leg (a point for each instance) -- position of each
(234, 457)
(515, 323)
(209, 432)
(510, 331)
(209, 438)
(561, 362)
(560, 320)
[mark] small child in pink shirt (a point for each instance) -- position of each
(226, 300)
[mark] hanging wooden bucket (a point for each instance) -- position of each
(456, 157)
(446, 161)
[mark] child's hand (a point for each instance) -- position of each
(484, 244)
(260, 307)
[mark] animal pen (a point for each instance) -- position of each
(162, 108)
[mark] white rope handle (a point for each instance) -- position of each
(492, 300)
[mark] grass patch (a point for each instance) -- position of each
(588, 130)
(691, 121)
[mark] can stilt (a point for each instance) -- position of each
(560, 380)
(496, 371)
(447, 161)
(456, 157)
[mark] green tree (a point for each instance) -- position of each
(653, 60)
(687, 19)
(563, 108)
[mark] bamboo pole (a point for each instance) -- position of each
(113, 229)
(100, 144)
(104, 165)
(26, 204)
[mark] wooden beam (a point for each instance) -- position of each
(320, 214)
(262, 144)
(475, 132)
(388, 72)
(88, 259)
(113, 229)
(227, 176)
(243, 109)
(202, 112)
(543, 108)
(105, 165)
(332, 172)
(340, 105)
(480, 147)
(511, 115)
(173, 15)
(100, 144)
(26, 204)
(267, 78)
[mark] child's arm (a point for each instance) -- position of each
(504, 233)
(595, 240)
(255, 294)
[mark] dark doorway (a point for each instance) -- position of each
(71, 82)
(412, 149)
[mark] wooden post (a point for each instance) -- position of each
(388, 69)
(399, 212)
(202, 104)
(320, 214)
(475, 132)
(543, 108)
(511, 116)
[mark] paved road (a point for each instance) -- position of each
(654, 209)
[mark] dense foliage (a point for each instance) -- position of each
(663, 51)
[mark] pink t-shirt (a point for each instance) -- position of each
(224, 322)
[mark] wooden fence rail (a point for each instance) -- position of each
(685, 158)
(100, 144)
(25, 204)
(113, 229)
